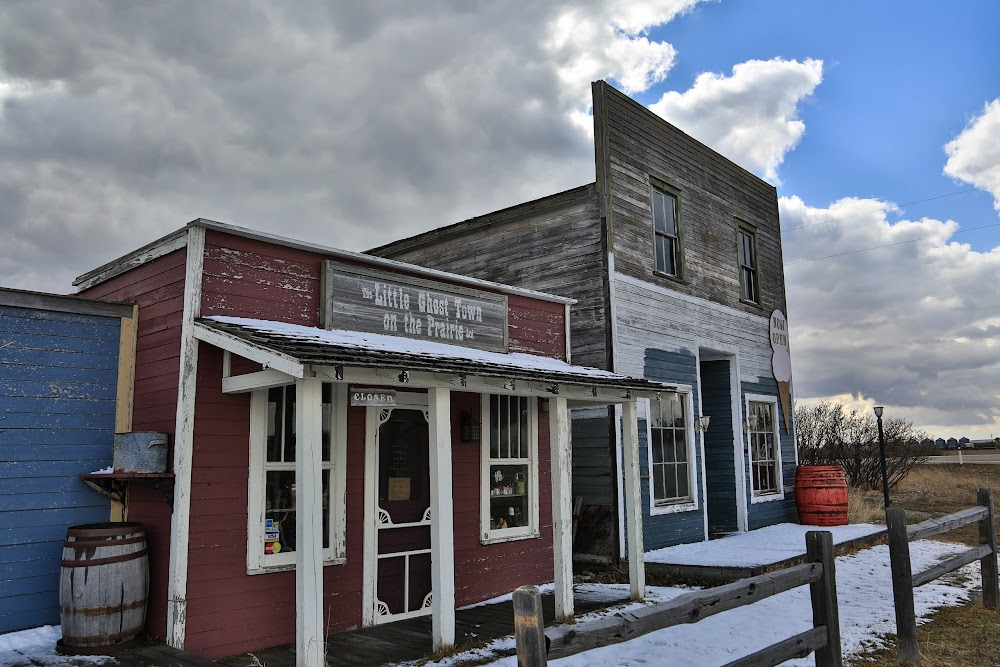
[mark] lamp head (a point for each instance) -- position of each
(878, 411)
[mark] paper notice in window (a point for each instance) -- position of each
(399, 488)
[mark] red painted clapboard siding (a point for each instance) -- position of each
(536, 327)
(157, 287)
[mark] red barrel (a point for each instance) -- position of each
(821, 495)
(103, 588)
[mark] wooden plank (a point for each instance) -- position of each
(798, 646)
(951, 564)
(529, 636)
(562, 518)
(687, 608)
(442, 524)
(823, 595)
(633, 501)
(988, 537)
(65, 304)
(902, 585)
(944, 524)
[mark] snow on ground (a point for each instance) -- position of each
(763, 546)
(864, 592)
(37, 648)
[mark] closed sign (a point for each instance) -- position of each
(383, 398)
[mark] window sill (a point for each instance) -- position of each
(766, 497)
(673, 508)
(290, 567)
(667, 276)
(497, 539)
(752, 304)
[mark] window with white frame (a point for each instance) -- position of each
(670, 451)
(509, 467)
(666, 233)
(765, 454)
(272, 511)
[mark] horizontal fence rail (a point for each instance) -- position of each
(904, 581)
(823, 639)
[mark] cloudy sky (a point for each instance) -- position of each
(354, 124)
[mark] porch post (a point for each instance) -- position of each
(442, 519)
(562, 507)
(633, 501)
(309, 641)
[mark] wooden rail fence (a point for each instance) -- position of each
(535, 645)
(903, 579)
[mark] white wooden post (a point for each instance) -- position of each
(633, 501)
(310, 647)
(562, 506)
(442, 519)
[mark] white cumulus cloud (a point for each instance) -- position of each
(751, 117)
(974, 155)
(912, 325)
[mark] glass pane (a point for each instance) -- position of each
(289, 423)
(494, 427)
(657, 445)
(670, 482)
(504, 427)
(668, 447)
(679, 447)
(661, 261)
(683, 490)
(659, 485)
(275, 412)
(658, 214)
(670, 215)
(279, 511)
(510, 489)
(671, 256)
(327, 419)
(524, 427)
(327, 474)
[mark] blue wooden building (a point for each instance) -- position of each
(65, 387)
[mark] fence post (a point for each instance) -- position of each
(529, 628)
(819, 547)
(988, 565)
(902, 585)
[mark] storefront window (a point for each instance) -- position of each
(765, 455)
(510, 468)
(272, 540)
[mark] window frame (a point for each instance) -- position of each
(530, 531)
(680, 505)
(336, 554)
(772, 402)
(743, 228)
(657, 188)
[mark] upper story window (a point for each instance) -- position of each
(671, 466)
(749, 285)
(272, 489)
(666, 233)
(509, 468)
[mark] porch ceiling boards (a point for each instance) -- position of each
(311, 346)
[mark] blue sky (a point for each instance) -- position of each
(353, 124)
(900, 80)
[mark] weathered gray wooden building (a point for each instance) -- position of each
(674, 257)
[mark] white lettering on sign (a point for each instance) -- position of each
(781, 358)
(366, 299)
(373, 397)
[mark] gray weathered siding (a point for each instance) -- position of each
(553, 245)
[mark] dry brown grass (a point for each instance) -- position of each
(864, 507)
(967, 636)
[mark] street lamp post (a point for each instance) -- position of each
(881, 453)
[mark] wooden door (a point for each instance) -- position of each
(402, 517)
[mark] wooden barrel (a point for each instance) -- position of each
(103, 588)
(821, 495)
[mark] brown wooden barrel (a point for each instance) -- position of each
(821, 495)
(103, 588)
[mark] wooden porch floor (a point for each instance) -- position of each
(401, 641)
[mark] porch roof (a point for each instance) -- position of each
(284, 346)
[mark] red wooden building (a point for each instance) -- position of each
(354, 440)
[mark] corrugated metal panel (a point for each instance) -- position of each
(58, 374)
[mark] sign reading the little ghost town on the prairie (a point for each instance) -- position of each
(363, 299)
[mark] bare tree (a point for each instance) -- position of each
(827, 434)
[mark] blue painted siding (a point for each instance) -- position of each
(666, 530)
(592, 463)
(58, 375)
(776, 511)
